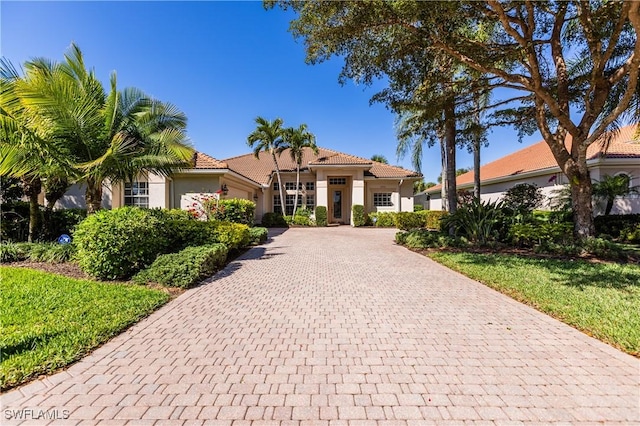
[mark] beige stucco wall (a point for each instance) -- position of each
(74, 198)
(184, 184)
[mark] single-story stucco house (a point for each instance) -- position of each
(536, 165)
(332, 179)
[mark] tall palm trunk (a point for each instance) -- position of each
(93, 195)
(295, 200)
(32, 186)
(275, 163)
(443, 174)
(450, 146)
(476, 168)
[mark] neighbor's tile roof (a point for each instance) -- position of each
(260, 169)
(204, 161)
(539, 157)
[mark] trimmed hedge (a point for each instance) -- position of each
(235, 210)
(258, 235)
(432, 218)
(185, 233)
(321, 216)
(409, 220)
(185, 268)
(274, 220)
(383, 219)
(358, 216)
(115, 244)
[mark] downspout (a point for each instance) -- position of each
(400, 195)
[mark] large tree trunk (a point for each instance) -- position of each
(443, 175)
(581, 199)
(275, 163)
(93, 196)
(32, 188)
(450, 143)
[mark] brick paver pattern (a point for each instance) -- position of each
(340, 326)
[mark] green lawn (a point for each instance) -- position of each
(601, 299)
(49, 321)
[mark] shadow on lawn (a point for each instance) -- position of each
(574, 273)
(26, 343)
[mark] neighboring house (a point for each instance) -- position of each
(536, 165)
(331, 179)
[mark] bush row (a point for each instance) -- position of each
(625, 228)
(429, 219)
(115, 244)
(186, 268)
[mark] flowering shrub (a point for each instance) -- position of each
(236, 210)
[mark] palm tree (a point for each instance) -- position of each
(296, 140)
(611, 187)
(28, 153)
(268, 137)
(112, 136)
(379, 158)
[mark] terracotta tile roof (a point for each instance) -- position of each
(204, 161)
(260, 169)
(539, 157)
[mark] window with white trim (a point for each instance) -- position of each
(382, 199)
(291, 186)
(277, 205)
(338, 181)
(276, 187)
(289, 200)
(136, 194)
(311, 201)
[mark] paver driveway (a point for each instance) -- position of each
(340, 326)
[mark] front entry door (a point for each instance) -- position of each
(336, 204)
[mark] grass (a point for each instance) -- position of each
(601, 299)
(49, 321)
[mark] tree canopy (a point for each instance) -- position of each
(573, 65)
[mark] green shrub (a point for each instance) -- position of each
(321, 216)
(422, 238)
(431, 218)
(300, 220)
(418, 207)
(274, 220)
(115, 244)
(357, 215)
(479, 221)
(531, 234)
(234, 235)
(409, 220)
(14, 223)
(185, 268)
(620, 226)
(235, 210)
(523, 198)
(631, 235)
(258, 235)
(173, 214)
(383, 219)
(51, 252)
(13, 252)
(184, 233)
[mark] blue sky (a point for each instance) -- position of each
(223, 64)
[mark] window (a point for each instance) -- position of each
(289, 199)
(311, 202)
(136, 194)
(291, 186)
(276, 187)
(337, 181)
(382, 199)
(277, 206)
(311, 186)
